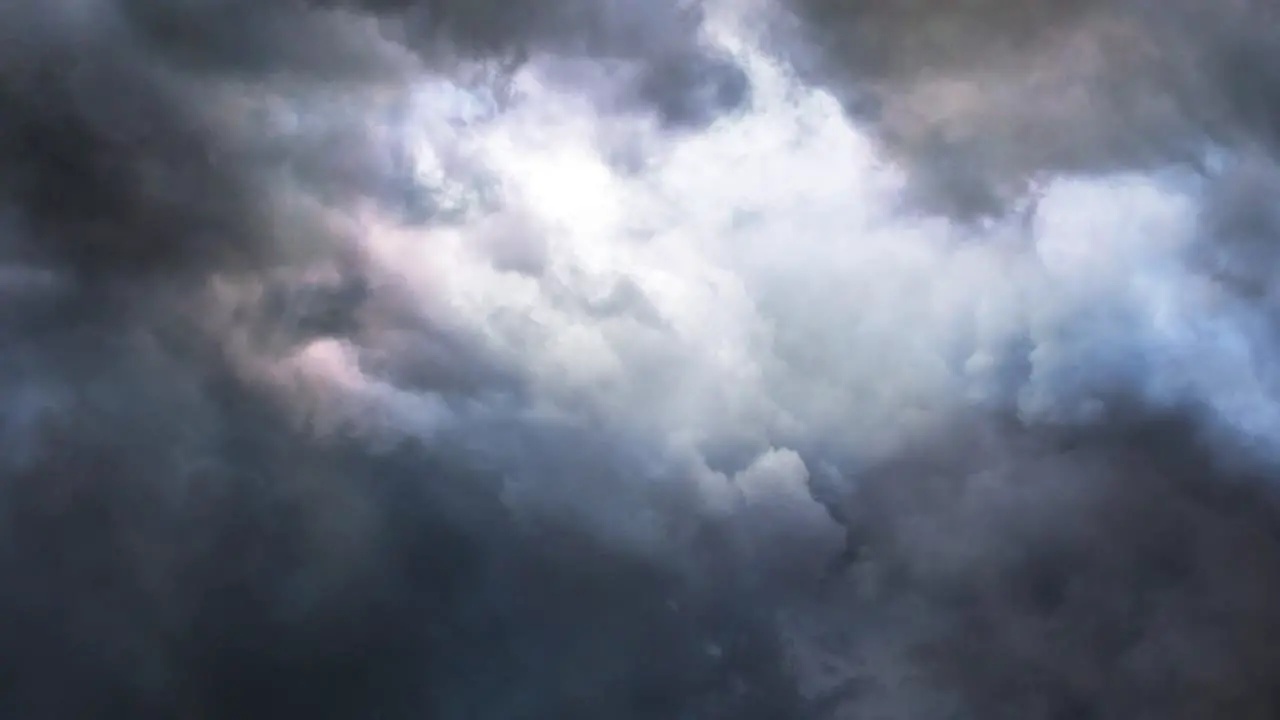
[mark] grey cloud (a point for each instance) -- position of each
(186, 532)
(1047, 574)
(983, 99)
(176, 541)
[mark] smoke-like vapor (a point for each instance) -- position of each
(623, 359)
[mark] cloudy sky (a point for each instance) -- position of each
(639, 359)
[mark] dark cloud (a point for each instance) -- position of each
(186, 532)
(176, 543)
(986, 98)
(1118, 571)
(692, 91)
(113, 106)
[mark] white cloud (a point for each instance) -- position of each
(757, 285)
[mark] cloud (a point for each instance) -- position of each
(983, 99)
(594, 359)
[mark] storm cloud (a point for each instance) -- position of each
(628, 359)
(985, 99)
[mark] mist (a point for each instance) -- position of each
(779, 359)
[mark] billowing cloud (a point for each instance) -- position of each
(984, 99)
(598, 359)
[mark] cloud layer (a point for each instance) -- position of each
(601, 359)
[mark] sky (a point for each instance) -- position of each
(775, 359)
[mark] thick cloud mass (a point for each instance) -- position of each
(638, 359)
(983, 98)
